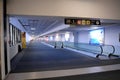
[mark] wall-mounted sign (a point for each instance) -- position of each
(73, 21)
(96, 36)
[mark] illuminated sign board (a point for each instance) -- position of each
(73, 21)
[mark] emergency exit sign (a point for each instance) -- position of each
(74, 21)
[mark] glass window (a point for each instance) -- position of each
(10, 35)
(14, 35)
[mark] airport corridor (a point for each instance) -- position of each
(40, 57)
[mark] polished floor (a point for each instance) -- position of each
(39, 61)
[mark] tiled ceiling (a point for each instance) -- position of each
(34, 25)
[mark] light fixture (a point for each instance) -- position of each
(33, 28)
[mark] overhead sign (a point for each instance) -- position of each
(74, 21)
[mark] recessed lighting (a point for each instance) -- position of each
(33, 29)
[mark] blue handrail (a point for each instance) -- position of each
(108, 49)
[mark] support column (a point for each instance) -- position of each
(1, 11)
(76, 37)
(1, 40)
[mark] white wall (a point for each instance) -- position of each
(13, 50)
(112, 35)
(75, 36)
(107, 9)
(71, 37)
(83, 37)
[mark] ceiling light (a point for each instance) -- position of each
(33, 29)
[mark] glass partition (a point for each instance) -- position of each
(95, 49)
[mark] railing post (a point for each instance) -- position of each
(62, 46)
(112, 52)
(55, 45)
(101, 52)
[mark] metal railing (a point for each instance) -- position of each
(108, 50)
